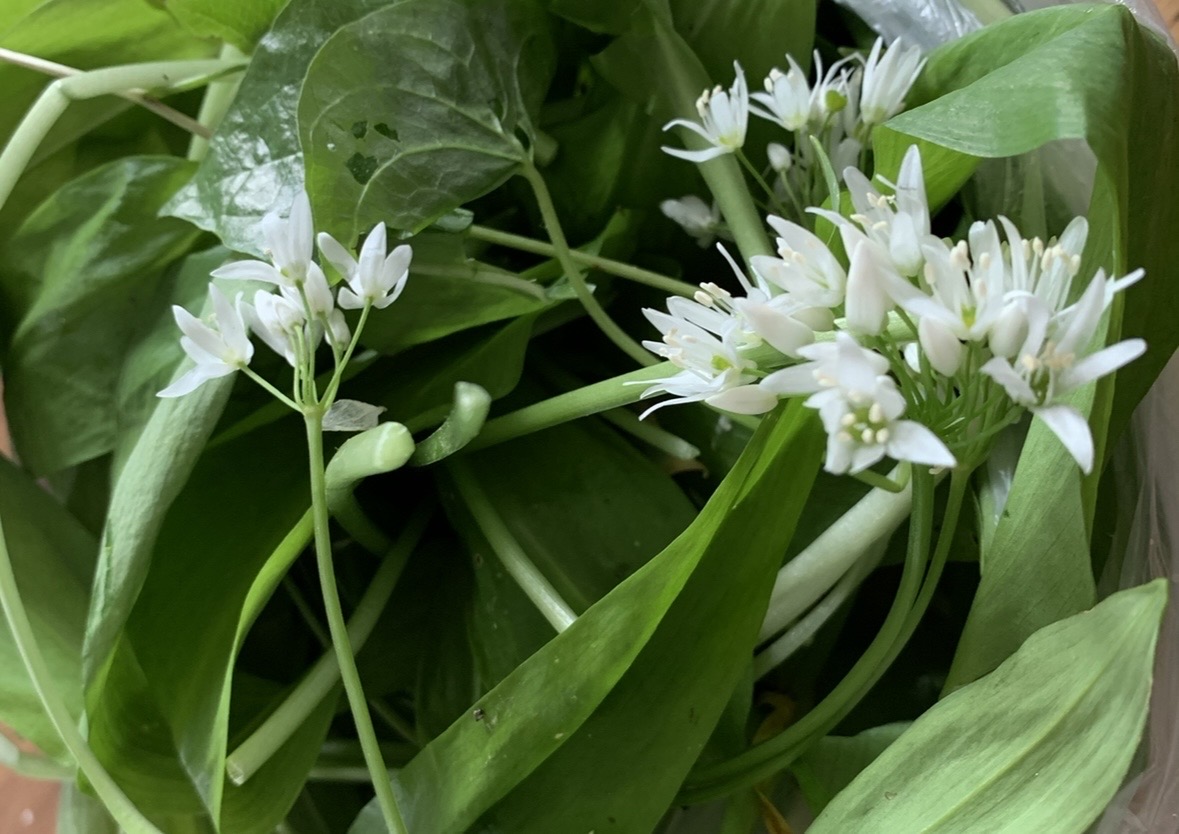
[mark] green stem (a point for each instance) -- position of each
(334, 386)
(278, 395)
(218, 97)
(771, 756)
(313, 417)
(684, 78)
(291, 714)
(515, 561)
(552, 224)
(57, 97)
(622, 270)
(112, 796)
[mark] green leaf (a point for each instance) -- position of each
(1073, 72)
(52, 557)
(89, 263)
(1041, 744)
(254, 164)
(209, 576)
(419, 107)
(241, 24)
(834, 761)
(656, 658)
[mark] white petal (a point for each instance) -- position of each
(867, 301)
(792, 381)
(839, 454)
(349, 300)
(372, 258)
(1098, 364)
(319, 294)
(1017, 387)
(201, 335)
(192, 379)
(864, 456)
(744, 399)
(1009, 331)
(696, 156)
(250, 271)
(337, 255)
(911, 441)
(781, 331)
(1068, 424)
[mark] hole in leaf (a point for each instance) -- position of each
(359, 129)
(362, 168)
(523, 138)
(385, 130)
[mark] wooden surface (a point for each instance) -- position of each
(1170, 12)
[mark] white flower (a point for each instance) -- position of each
(805, 268)
(375, 278)
(834, 90)
(696, 217)
(898, 222)
(860, 407)
(289, 243)
(787, 98)
(1046, 271)
(887, 79)
(1050, 364)
(276, 318)
(761, 315)
(723, 116)
(873, 285)
(217, 350)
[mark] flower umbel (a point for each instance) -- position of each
(218, 348)
(723, 119)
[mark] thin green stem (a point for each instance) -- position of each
(56, 70)
(304, 609)
(618, 268)
(515, 561)
(278, 395)
(112, 796)
(57, 97)
(218, 97)
(683, 77)
(334, 386)
(771, 756)
(760, 180)
(318, 683)
(878, 481)
(313, 417)
(552, 224)
(394, 720)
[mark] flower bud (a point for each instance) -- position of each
(780, 159)
(868, 302)
(1009, 331)
(940, 345)
(744, 399)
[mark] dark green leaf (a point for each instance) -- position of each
(254, 164)
(419, 107)
(554, 743)
(1041, 744)
(88, 266)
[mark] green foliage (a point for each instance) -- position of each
(1041, 744)
(88, 281)
(241, 24)
(419, 107)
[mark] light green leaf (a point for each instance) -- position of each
(834, 761)
(52, 558)
(241, 24)
(419, 107)
(1041, 744)
(554, 749)
(88, 268)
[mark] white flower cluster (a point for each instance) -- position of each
(989, 327)
(840, 109)
(300, 310)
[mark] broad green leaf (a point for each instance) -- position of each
(552, 749)
(209, 575)
(1069, 73)
(419, 107)
(834, 761)
(254, 164)
(1041, 744)
(587, 509)
(241, 24)
(89, 262)
(52, 556)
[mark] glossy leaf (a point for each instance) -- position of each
(89, 263)
(52, 557)
(1041, 744)
(419, 107)
(647, 643)
(254, 164)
